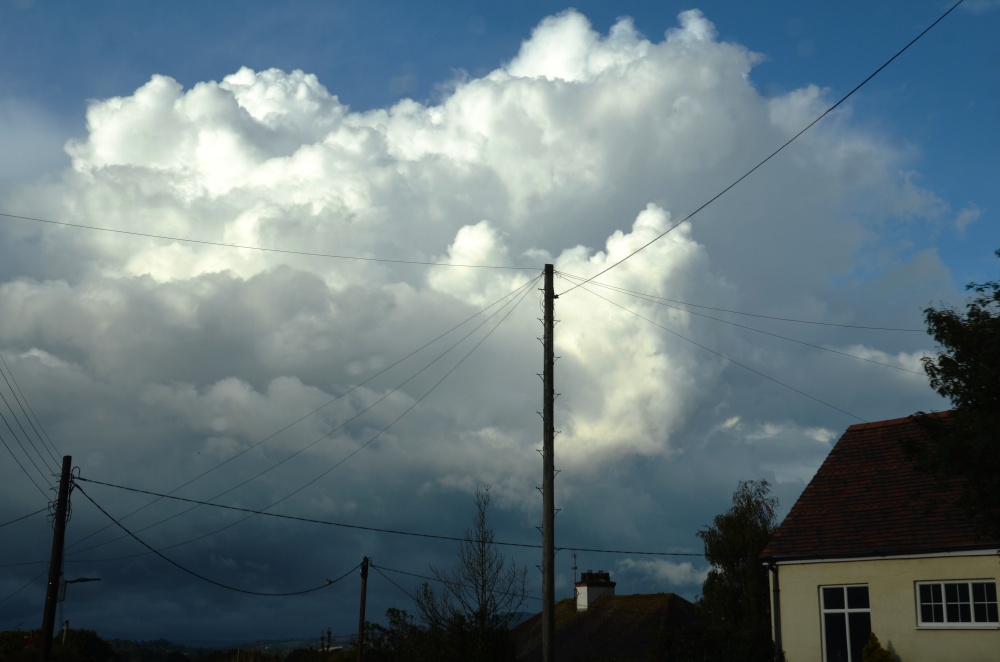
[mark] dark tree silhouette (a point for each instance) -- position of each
(735, 593)
(966, 370)
(480, 595)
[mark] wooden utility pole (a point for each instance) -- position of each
(548, 476)
(361, 619)
(56, 560)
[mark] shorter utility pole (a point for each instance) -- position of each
(361, 619)
(56, 560)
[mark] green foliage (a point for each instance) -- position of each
(735, 593)
(966, 370)
(873, 651)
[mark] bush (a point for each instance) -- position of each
(874, 652)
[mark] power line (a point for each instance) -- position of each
(389, 579)
(27, 437)
(446, 582)
(380, 432)
(721, 355)
(652, 299)
(177, 565)
(772, 155)
(612, 608)
(373, 529)
(323, 406)
(524, 289)
(205, 242)
(30, 582)
(18, 519)
(20, 396)
(26, 472)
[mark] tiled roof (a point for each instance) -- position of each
(869, 500)
(619, 627)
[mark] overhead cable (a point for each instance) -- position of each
(772, 154)
(321, 407)
(523, 290)
(309, 520)
(416, 402)
(22, 401)
(25, 471)
(27, 438)
(18, 519)
(655, 298)
(325, 584)
(652, 299)
(262, 249)
(437, 579)
(723, 356)
(30, 582)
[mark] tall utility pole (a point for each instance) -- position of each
(56, 560)
(361, 619)
(548, 476)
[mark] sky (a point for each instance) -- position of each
(307, 282)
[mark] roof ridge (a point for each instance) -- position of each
(903, 420)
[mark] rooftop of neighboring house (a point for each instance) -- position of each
(620, 627)
(868, 499)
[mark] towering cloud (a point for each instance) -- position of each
(151, 359)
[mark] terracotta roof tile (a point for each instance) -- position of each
(868, 499)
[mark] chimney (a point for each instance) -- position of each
(591, 586)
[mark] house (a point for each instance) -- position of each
(875, 545)
(599, 625)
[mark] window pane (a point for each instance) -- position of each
(931, 603)
(857, 597)
(835, 634)
(984, 602)
(833, 598)
(984, 592)
(860, 625)
(957, 604)
(956, 592)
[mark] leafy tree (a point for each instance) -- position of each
(735, 593)
(481, 594)
(966, 370)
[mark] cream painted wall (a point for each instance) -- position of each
(892, 593)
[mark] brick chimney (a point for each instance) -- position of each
(591, 586)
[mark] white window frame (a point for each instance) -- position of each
(953, 625)
(846, 611)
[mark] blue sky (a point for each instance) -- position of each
(467, 133)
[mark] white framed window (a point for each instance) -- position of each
(957, 604)
(847, 621)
